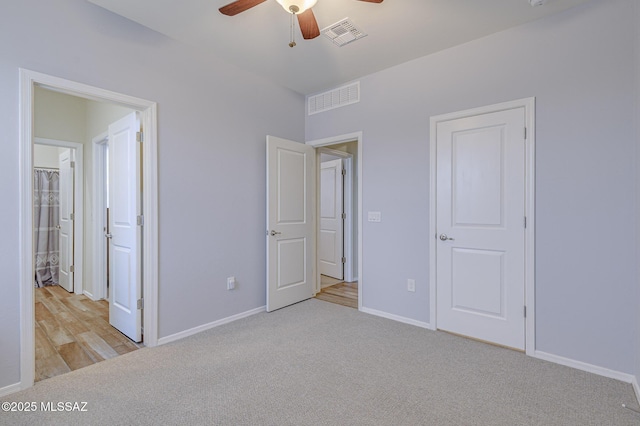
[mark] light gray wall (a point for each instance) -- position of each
(213, 118)
(637, 178)
(46, 156)
(580, 67)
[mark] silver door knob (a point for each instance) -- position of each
(58, 227)
(275, 233)
(108, 235)
(444, 237)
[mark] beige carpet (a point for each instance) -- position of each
(317, 363)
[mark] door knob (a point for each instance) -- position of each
(275, 233)
(444, 237)
(108, 235)
(58, 227)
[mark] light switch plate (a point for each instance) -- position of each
(375, 217)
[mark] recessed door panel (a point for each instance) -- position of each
(477, 282)
(291, 192)
(292, 260)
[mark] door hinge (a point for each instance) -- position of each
(72, 268)
(72, 216)
(140, 220)
(525, 221)
(344, 215)
(525, 133)
(140, 302)
(344, 260)
(525, 311)
(139, 137)
(72, 164)
(344, 172)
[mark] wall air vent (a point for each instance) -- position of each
(343, 32)
(341, 96)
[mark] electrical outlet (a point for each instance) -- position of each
(374, 217)
(411, 285)
(231, 283)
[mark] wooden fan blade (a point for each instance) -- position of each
(308, 25)
(372, 1)
(239, 6)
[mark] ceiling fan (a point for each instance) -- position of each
(299, 8)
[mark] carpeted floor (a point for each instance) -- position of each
(317, 363)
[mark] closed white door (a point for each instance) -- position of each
(290, 222)
(65, 162)
(331, 247)
(480, 226)
(125, 275)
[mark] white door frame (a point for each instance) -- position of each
(28, 81)
(99, 250)
(350, 137)
(529, 280)
(347, 208)
(78, 207)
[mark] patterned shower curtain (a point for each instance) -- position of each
(46, 215)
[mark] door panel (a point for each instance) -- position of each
(65, 278)
(331, 244)
(125, 275)
(480, 217)
(290, 222)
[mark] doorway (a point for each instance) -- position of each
(481, 224)
(29, 82)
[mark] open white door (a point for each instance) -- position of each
(125, 220)
(65, 164)
(291, 241)
(481, 227)
(331, 244)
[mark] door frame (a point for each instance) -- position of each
(99, 250)
(529, 246)
(347, 208)
(78, 207)
(28, 81)
(334, 140)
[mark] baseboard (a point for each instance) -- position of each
(636, 388)
(10, 389)
(395, 317)
(201, 328)
(89, 295)
(590, 368)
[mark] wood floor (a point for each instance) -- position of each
(345, 294)
(72, 331)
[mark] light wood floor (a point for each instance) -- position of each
(72, 331)
(342, 293)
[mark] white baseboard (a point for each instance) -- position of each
(636, 388)
(203, 327)
(89, 295)
(10, 389)
(590, 368)
(395, 317)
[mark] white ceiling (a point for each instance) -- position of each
(398, 31)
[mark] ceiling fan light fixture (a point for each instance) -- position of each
(296, 6)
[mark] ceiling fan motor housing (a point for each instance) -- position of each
(296, 6)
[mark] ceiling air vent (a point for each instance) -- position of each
(341, 96)
(343, 32)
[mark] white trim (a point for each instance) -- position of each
(204, 327)
(636, 388)
(28, 81)
(10, 389)
(78, 207)
(579, 365)
(350, 137)
(99, 250)
(347, 208)
(396, 318)
(529, 107)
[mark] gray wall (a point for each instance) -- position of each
(580, 67)
(211, 163)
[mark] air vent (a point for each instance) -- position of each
(341, 96)
(343, 32)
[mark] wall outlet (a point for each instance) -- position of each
(374, 217)
(411, 285)
(231, 283)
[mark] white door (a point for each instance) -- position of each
(125, 275)
(480, 226)
(66, 220)
(331, 249)
(291, 241)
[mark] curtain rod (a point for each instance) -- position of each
(46, 168)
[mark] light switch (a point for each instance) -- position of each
(375, 217)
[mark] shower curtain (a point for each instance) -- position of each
(46, 213)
